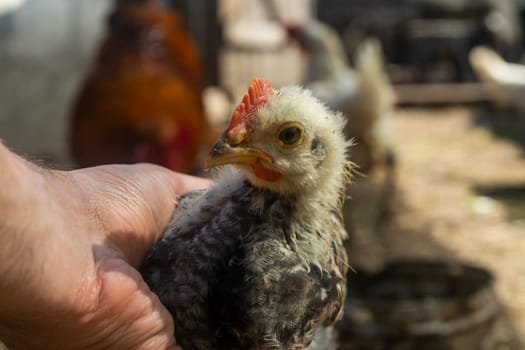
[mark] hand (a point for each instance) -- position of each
(68, 278)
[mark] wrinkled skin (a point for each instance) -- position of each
(70, 243)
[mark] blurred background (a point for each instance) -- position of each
(434, 91)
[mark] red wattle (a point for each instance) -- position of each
(266, 174)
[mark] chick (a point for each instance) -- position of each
(257, 261)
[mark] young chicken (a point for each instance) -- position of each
(257, 261)
(504, 81)
(363, 94)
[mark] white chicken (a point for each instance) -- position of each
(257, 262)
(364, 95)
(504, 81)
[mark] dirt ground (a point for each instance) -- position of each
(459, 195)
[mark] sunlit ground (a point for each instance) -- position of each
(460, 196)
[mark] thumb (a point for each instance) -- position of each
(134, 203)
(160, 191)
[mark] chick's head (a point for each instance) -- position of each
(284, 140)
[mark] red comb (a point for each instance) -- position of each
(259, 92)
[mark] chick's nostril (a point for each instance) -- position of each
(218, 148)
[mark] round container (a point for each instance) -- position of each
(423, 305)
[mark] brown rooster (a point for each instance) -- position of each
(142, 100)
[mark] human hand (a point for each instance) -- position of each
(70, 281)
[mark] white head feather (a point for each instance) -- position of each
(317, 166)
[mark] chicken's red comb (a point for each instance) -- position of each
(259, 92)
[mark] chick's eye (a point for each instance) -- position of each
(290, 135)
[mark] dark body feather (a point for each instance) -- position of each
(237, 270)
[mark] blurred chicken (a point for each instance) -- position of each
(142, 100)
(364, 95)
(505, 82)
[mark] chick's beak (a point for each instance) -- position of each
(230, 150)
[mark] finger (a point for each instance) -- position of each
(137, 316)
(134, 203)
(182, 183)
(160, 190)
